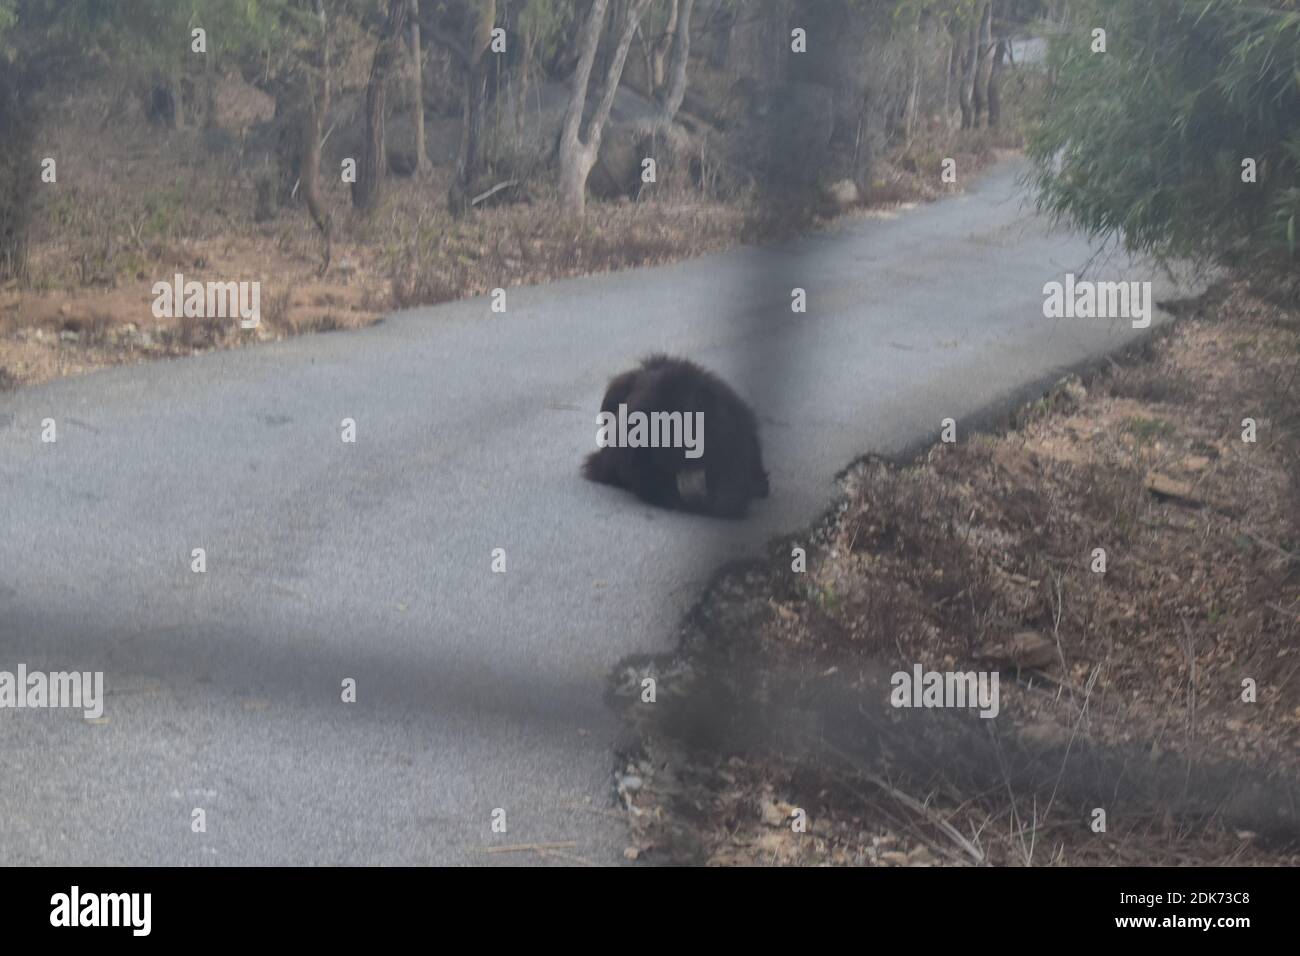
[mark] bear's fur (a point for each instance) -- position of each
(722, 481)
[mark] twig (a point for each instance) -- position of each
(918, 807)
(495, 189)
(1056, 630)
(1255, 536)
(599, 811)
(1074, 732)
(1014, 820)
(1190, 651)
(1281, 610)
(561, 855)
(910, 802)
(531, 847)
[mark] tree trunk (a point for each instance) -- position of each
(659, 58)
(317, 104)
(681, 58)
(967, 87)
(979, 95)
(19, 176)
(374, 161)
(863, 153)
(417, 90)
(525, 81)
(176, 92)
(311, 135)
(469, 52)
(721, 23)
(474, 99)
(474, 108)
(995, 84)
(647, 57)
(913, 88)
(609, 36)
(953, 63)
(576, 156)
(370, 165)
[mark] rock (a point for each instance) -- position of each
(1045, 733)
(844, 194)
(1162, 486)
(770, 813)
(236, 104)
(1031, 649)
(625, 146)
(67, 335)
(921, 856)
(1023, 649)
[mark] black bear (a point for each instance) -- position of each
(717, 476)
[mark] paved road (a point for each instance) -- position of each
(372, 561)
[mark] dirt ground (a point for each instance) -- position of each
(1125, 690)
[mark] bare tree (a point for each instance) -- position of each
(469, 52)
(576, 155)
(659, 56)
(983, 61)
(176, 90)
(954, 64)
(913, 85)
(966, 88)
(19, 177)
(995, 84)
(374, 159)
(317, 104)
(302, 99)
(681, 57)
(471, 160)
(417, 90)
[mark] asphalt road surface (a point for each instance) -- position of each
(475, 690)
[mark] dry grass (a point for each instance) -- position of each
(435, 258)
(1133, 702)
(148, 203)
